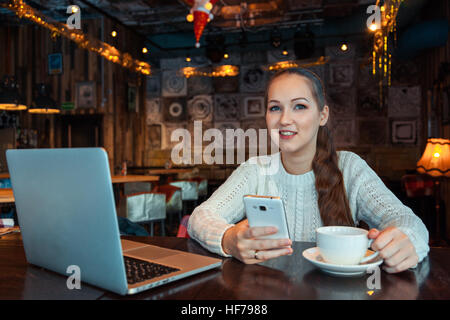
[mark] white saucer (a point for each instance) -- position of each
(313, 256)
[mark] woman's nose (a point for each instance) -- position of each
(286, 118)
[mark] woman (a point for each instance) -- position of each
(318, 186)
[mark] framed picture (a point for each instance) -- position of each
(86, 95)
(403, 131)
(341, 74)
(55, 64)
(254, 107)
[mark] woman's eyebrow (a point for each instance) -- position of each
(301, 98)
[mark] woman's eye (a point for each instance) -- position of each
(299, 106)
(274, 108)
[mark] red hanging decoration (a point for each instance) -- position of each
(200, 14)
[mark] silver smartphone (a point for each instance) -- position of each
(266, 211)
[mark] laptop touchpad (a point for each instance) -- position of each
(151, 252)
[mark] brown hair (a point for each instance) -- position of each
(332, 198)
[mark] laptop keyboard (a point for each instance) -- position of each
(140, 270)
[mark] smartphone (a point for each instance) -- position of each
(266, 211)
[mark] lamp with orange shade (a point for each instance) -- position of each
(435, 162)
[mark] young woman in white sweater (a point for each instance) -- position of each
(318, 186)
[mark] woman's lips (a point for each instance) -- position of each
(287, 134)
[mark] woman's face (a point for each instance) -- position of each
(293, 116)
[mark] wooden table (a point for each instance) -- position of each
(168, 171)
(134, 178)
(6, 195)
(285, 278)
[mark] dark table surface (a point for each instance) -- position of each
(290, 277)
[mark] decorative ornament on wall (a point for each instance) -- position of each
(404, 101)
(254, 107)
(153, 86)
(174, 110)
(343, 131)
(228, 140)
(226, 85)
(342, 102)
(341, 74)
(201, 108)
(369, 103)
(153, 109)
(199, 85)
(226, 107)
(253, 79)
(173, 85)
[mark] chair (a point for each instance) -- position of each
(182, 229)
(136, 187)
(189, 192)
(202, 187)
(419, 190)
(147, 208)
(174, 202)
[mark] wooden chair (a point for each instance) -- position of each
(147, 208)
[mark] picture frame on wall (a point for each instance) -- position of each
(85, 95)
(404, 131)
(55, 64)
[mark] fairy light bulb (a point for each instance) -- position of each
(190, 17)
(144, 50)
(208, 6)
(114, 34)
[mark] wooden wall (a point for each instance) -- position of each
(25, 50)
(432, 61)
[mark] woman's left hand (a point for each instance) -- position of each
(395, 248)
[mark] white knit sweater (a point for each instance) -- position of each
(369, 199)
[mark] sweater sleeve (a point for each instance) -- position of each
(380, 208)
(223, 209)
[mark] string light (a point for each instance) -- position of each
(381, 45)
(217, 71)
(107, 51)
(114, 34)
(296, 64)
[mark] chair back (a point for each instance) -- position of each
(136, 187)
(417, 185)
(146, 207)
(174, 203)
(189, 189)
(182, 229)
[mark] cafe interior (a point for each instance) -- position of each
(127, 76)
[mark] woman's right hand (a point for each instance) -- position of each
(243, 243)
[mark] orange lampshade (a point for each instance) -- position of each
(435, 160)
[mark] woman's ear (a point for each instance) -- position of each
(324, 115)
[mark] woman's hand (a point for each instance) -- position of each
(395, 248)
(242, 242)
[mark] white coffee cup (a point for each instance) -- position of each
(344, 245)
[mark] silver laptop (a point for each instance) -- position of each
(67, 216)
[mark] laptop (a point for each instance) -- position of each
(67, 216)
